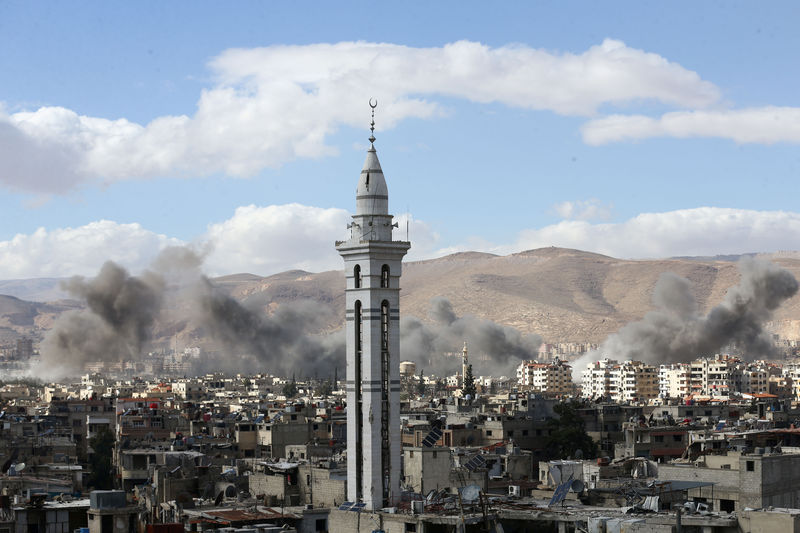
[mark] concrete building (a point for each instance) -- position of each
(633, 381)
(426, 469)
(596, 379)
(372, 298)
(717, 376)
(674, 380)
(546, 378)
(621, 382)
(756, 481)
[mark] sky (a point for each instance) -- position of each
(633, 129)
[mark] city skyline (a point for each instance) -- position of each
(649, 131)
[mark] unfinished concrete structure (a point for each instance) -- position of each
(372, 318)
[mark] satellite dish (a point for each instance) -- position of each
(470, 493)
(19, 467)
(577, 486)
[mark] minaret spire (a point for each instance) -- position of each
(372, 123)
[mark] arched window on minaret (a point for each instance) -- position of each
(385, 277)
(385, 325)
(386, 459)
(358, 320)
(357, 276)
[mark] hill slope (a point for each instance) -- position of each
(561, 294)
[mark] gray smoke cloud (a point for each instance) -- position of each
(676, 332)
(281, 343)
(122, 309)
(494, 349)
(115, 326)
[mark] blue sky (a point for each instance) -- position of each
(646, 130)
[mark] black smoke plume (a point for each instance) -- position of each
(281, 343)
(494, 349)
(676, 332)
(122, 309)
(115, 326)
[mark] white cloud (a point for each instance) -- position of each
(271, 239)
(275, 104)
(79, 251)
(590, 209)
(265, 240)
(763, 125)
(699, 231)
(259, 240)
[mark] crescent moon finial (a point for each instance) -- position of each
(372, 122)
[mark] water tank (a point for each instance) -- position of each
(408, 368)
(107, 499)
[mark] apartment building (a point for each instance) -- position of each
(621, 382)
(546, 378)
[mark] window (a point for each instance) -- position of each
(751, 466)
(321, 525)
(488, 432)
(357, 276)
(728, 506)
(677, 438)
(411, 528)
(385, 277)
(524, 432)
(658, 438)
(385, 325)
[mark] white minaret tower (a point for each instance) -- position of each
(464, 364)
(373, 263)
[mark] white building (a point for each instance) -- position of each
(717, 376)
(596, 379)
(674, 380)
(547, 378)
(621, 382)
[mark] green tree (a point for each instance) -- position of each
(101, 473)
(325, 389)
(567, 434)
(290, 388)
(469, 383)
(421, 384)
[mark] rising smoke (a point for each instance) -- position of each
(122, 309)
(116, 324)
(494, 349)
(280, 343)
(676, 332)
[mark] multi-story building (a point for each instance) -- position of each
(621, 382)
(633, 381)
(717, 376)
(674, 380)
(546, 378)
(596, 382)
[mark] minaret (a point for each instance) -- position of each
(372, 298)
(464, 364)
